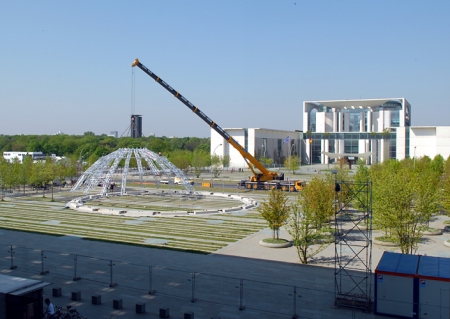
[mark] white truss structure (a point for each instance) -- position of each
(108, 168)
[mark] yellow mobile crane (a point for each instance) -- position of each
(264, 180)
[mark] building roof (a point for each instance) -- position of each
(18, 286)
(437, 267)
(356, 104)
(396, 263)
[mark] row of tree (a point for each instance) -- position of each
(90, 147)
(40, 174)
(404, 197)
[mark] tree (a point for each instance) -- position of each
(226, 161)
(216, 165)
(200, 159)
(292, 163)
(445, 196)
(24, 171)
(3, 174)
(313, 208)
(393, 194)
(38, 178)
(275, 211)
(426, 194)
(180, 158)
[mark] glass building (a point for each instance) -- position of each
(375, 129)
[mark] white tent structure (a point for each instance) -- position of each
(149, 163)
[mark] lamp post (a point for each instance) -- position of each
(414, 157)
(214, 153)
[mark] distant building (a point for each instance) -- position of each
(114, 134)
(136, 126)
(10, 156)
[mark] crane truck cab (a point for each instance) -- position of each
(179, 181)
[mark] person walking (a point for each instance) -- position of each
(50, 310)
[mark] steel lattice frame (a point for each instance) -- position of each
(105, 168)
(353, 245)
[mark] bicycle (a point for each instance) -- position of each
(69, 314)
(77, 315)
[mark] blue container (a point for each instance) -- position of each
(396, 286)
(434, 286)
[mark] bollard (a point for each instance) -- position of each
(140, 308)
(96, 299)
(56, 292)
(76, 295)
(164, 312)
(117, 303)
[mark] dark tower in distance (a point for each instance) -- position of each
(136, 126)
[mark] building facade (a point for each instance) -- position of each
(259, 142)
(372, 129)
(376, 126)
(11, 156)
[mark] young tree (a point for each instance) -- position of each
(24, 171)
(226, 161)
(445, 195)
(275, 210)
(180, 158)
(200, 159)
(216, 165)
(292, 163)
(393, 194)
(313, 208)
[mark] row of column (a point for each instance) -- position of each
(379, 149)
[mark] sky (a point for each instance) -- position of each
(65, 66)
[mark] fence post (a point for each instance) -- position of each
(12, 252)
(241, 295)
(42, 264)
(294, 313)
(151, 291)
(111, 283)
(193, 288)
(75, 263)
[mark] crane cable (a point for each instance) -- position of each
(133, 92)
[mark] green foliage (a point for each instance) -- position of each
(313, 209)
(89, 143)
(200, 159)
(275, 210)
(181, 158)
(216, 165)
(226, 159)
(394, 190)
(292, 163)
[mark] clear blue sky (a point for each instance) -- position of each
(66, 65)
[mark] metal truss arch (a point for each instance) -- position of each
(125, 162)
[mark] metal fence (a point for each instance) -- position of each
(193, 286)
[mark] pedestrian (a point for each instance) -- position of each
(50, 310)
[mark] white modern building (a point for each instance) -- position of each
(259, 142)
(378, 128)
(10, 156)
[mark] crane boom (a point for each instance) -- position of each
(265, 175)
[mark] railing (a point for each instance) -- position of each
(194, 286)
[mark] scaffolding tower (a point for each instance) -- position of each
(353, 244)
